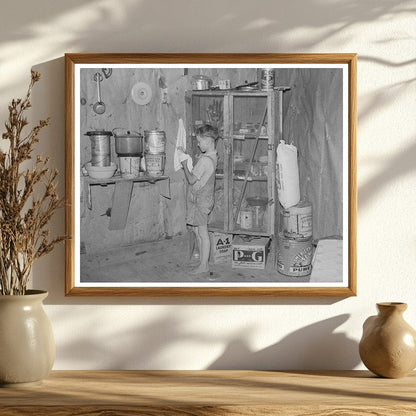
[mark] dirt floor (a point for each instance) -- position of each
(167, 261)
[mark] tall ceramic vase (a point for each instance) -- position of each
(388, 345)
(27, 347)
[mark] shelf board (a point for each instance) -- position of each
(251, 231)
(251, 178)
(216, 227)
(243, 136)
(241, 178)
(119, 178)
(235, 92)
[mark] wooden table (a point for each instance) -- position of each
(254, 393)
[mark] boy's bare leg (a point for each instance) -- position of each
(204, 248)
(198, 239)
(191, 241)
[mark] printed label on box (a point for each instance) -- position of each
(221, 247)
(249, 256)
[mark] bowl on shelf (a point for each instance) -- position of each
(101, 172)
(256, 201)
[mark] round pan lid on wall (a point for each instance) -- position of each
(141, 93)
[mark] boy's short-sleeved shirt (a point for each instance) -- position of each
(204, 168)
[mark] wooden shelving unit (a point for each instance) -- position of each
(250, 125)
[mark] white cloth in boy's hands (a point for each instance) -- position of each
(179, 154)
(182, 156)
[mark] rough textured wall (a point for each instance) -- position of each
(313, 123)
(151, 216)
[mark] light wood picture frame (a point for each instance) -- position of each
(129, 233)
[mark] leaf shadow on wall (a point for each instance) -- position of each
(151, 345)
(107, 26)
(146, 345)
(403, 162)
(396, 167)
(316, 346)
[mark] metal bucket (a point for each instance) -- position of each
(100, 147)
(154, 141)
(296, 221)
(155, 163)
(294, 258)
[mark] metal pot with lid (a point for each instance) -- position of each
(100, 147)
(201, 82)
(128, 142)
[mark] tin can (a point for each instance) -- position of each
(246, 218)
(155, 163)
(154, 141)
(294, 258)
(224, 84)
(267, 79)
(129, 166)
(296, 221)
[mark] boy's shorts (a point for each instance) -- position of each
(196, 216)
(198, 209)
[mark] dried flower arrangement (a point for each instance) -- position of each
(28, 199)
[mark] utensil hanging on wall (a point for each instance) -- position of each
(107, 72)
(99, 106)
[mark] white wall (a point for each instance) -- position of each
(198, 333)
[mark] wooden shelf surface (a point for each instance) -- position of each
(118, 178)
(203, 393)
(237, 92)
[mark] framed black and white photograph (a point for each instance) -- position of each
(211, 174)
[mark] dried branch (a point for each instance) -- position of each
(24, 217)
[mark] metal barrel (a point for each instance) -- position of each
(294, 258)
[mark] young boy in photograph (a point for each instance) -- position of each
(200, 200)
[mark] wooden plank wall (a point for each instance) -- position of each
(313, 122)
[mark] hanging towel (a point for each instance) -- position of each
(179, 156)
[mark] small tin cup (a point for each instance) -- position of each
(224, 84)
